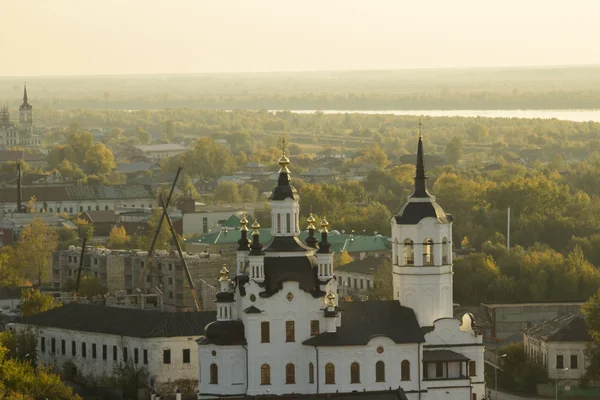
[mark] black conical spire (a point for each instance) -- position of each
(420, 176)
(25, 94)
(284, 190)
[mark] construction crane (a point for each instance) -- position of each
(178, 245)
(79, 270)
(158, 226)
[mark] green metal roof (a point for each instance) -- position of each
(339, 242)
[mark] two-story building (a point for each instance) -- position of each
(93, 339)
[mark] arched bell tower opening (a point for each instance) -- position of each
(422, 270)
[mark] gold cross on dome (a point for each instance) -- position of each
(283, 144)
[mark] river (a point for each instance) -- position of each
(567, 115)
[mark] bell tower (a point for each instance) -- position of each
(25, 115)
(422, 251)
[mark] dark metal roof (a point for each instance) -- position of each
(102, 216)
(566, 328)
(224, 333)
(363, 321)
(442, 355)
(300, 269)
(284, 269)
(10, 292)
(78, 192)
(123, 321)
(414, 212)
(252, 310)
(285, 244)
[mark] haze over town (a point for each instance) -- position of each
(73, 37)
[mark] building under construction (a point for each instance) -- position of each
(119, 271)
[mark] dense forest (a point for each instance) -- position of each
(489, 88)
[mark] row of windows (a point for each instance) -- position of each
(560, 363)
(358, 283)
(409, 256)
(124, 351)
(290, 373)
(89, 208)
(290, 331)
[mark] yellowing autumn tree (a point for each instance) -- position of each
(34, 250)
(118, 239)
(34, 302)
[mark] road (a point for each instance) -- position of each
(507, 396)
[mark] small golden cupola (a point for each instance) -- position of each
(311, 240)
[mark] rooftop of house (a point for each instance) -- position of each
(366, 266)
(364, 320)
(10, 292)
(566, 328)
(122, 321)
(537, 303)
(78, 192)
(19, 220)
(15, 155)
(101, 216)
(152, 148)
(133, 167)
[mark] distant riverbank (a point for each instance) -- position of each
(566, 115)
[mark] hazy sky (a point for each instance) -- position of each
(66, 37)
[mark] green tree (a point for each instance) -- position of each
(130, 377)
(382, 288)
(11, 167)
(227, 192)
(34, 249)
(99, 160)
(248, 193)
(23, 380)
(519, 374)
(34, 302)
(591, 311)
(478, 132)
(170, 130)
(21, 345)
(454, 150)
(88, 287)
(143, 136)
(9, 274)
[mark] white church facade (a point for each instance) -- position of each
(281, 329)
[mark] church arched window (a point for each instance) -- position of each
(278, 223)
(405, 370)
(380, 371)
(329, 374)
(409, 256)
(428, 251)
(265, 374)
(311, 373)
(214, 374)
(354, 373)
(290, 373)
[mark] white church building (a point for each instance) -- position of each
(280, 329)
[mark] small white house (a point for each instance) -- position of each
(559, 345)
(96, 338)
